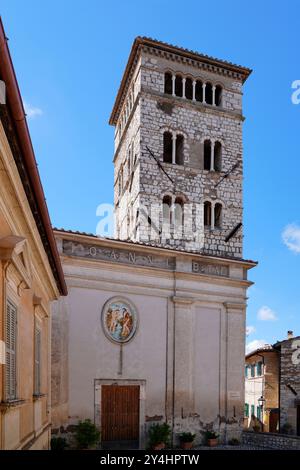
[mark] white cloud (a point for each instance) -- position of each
(32, 111)
(255, 344)
(266, 314)
(291, 237)
(249, 330)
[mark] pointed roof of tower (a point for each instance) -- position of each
(162, 48)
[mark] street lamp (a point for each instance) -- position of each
(261, 402)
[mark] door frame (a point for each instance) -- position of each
(142, 400)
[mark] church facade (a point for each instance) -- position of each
(153, 328)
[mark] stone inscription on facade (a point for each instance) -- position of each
(211, 269)
(117, 255)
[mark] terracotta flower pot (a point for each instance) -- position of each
(159, 446)
(212, 442)
(186, 445)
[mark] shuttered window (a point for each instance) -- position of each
(246, 410)
(252, 410)
(37, 361)
(11, 350)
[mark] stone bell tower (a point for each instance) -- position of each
(178, 150)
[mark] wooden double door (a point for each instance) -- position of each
(120, 413)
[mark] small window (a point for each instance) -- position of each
(259, 368)
(218, 95)
(207, 214)
(37, 361)
(168, 147)
(207, 154)
(189, 88)
(246, 410)
(178, 85)
(218, 156)
(168, 83)
(179, 213)
(252, 410)
(167, 213)
(179, 149)
(11, 351)
(199, 91)
(208, 93)
(246, 371)
(252, 370)
(218, 215)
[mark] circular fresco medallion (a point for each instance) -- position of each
(119, 320)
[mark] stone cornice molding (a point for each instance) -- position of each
(235, 307)
(175, 54)
(184, 301)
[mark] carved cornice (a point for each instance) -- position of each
(175, 54)
(186, 301)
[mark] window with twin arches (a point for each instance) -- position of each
(213, 214)
(173, 148)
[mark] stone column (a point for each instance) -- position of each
(183, 357)
(214, 95)
(212, 156)
(235, 361)
(203, 93)
(183, 87)
(194, 90)
(173, 85)
(212, 222)
(173, 148)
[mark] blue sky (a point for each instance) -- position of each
(69, 58)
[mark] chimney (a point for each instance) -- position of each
(290, 334)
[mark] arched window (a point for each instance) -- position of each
(218, 95)
(167, 147)
(199, 91)
(207, 214)
(189, 88)
(167, 213)
(179, 213)
(168, 83)
(178, 85)
(218, 215)
(179, 149)
(207, 154)
(208, 93)
(218, 156)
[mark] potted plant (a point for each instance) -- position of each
(234, 442)
(256, 427)
(159, 435)
(211, 438)
(186, 440)
(87, 435)
(58, 443)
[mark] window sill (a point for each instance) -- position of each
(5, 405)
(38, 396)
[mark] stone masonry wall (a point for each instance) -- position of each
(267, 440)
(290, 383)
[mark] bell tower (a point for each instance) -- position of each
(178, 162)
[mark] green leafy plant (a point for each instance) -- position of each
(234, 442)
(87, 435)
(187, 437)
(256, 427)
(159, 433)
(211, 435)
(287, 428)
(58, 443)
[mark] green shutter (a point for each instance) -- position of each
(252, 410)
(11, 349)
(247, 410)
(258, 412)
(252, 370)
(37, 361)
(259, 368)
